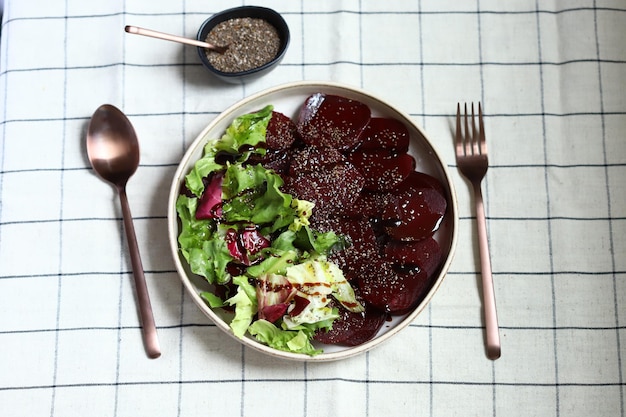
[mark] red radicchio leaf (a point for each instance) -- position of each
(210, 206)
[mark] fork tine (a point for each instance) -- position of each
(474, 142)
(459, 134)
(467, 139)
(482, 140)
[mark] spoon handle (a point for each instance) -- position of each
(150, 337)
(166, 36)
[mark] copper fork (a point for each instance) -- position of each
(472, 161)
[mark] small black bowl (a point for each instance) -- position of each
(270, 16)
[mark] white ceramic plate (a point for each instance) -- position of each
(287, 99)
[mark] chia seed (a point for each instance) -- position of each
(251, 43)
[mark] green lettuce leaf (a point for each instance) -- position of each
(246, 132)
(213, 300)
(276, 263)
(245, 306)
(252, 194)
(286, 340)
(207, 255)
(201, 169)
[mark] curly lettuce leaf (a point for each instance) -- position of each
(315, 280)
(252, 194)
(245, 303)
(246, 131)
(286, 340)
(202, 169)
(206, 254)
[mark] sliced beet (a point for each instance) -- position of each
(420, 210)
(299, 304)
(332, 121)
(424, 254)
(352, 329)
(355, 259)
(331, 189)
(312, 158)
(382, 170)
(281, 132)
(210, 206)
(370, 204)
(386, 133)
(420, 177)
(277, 161)
(394, 292)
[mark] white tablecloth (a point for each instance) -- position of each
(552, 79)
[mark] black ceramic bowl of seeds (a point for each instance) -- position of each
(257, 39)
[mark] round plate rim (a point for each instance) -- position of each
(230, 113)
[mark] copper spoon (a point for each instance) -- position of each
(113, 152)
(173, 38)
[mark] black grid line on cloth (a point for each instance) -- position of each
(413, 325)
(237, 381)
(608, 272)
(431, 394)
(562, 115)
(182, 289)
(482, 64)
(361, 78)
(609, 215)
(60, 233)
(485, 182)
(4, 58)
(123, 265)
(548, 212)
(333, 12)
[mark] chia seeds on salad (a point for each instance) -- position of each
(321, 246)
(251, 42)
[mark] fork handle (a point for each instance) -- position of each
(489, 299)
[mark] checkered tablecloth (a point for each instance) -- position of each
(552, 79)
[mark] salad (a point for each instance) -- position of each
(255, 244)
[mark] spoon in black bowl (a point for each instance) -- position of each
(173, 38)
(113, 152)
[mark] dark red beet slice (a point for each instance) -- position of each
(370, 204)
(392, 291)
(352, 329)
(420, 211)
(299, 304)
(385, 133)
(210, 206)
(278, 161)
(281, 132)
(331, 189)
(312, 158)
(332, 121)
(424, 254)
(355, 259)
(382, 170)
(427, 179)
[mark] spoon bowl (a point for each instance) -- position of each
(112, 145)
(113, 151)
